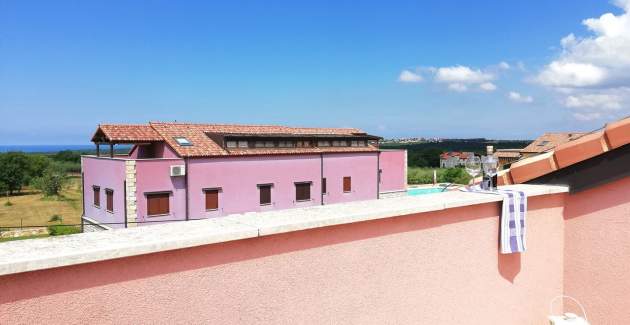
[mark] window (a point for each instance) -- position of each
(358, 143)
(212, 198)
(109, 194)
(304, 144)
(243, 144)
(269, 144)
(324, 185)
(183, 141)
(340, 143)
(323, 143)
(303, 191)
(543, 143)
(265, 194)
(231, 144)
(347, 184)
(157, 204)
(97, 196)
(259, 144)
(286, 144)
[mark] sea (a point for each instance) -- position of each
(46, 148)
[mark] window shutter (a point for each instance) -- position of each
(265, 194)
(110, 200)
(158, 204)
(212, 199)
(347, 184)
(97, 196)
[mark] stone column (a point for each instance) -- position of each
(132, 200)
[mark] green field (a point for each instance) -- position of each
(424, 175)
(31, 208)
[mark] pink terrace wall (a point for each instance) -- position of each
(597, 252)
(107, 174)
(431, 268)
(393, 164)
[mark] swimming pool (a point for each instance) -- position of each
(423, 190)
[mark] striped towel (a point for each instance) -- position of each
(513, 213)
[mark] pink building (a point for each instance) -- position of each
(178, 171)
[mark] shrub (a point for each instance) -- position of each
(56, 218)
(454, 175)
(52, 181)
(60, 230)
(8, 204)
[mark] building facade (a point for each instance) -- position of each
(454, 159)
(177, 172)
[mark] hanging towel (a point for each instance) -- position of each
(513, 214)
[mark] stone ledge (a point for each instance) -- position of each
(38, 254)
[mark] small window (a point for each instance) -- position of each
(347, 184)
(212, 198)
(109, 194)
(324, 185)
(303, 144)
(323, 143)
(97, 196)
(231, 144)
(158, 204)
(358, 143)
(243, 144)
(183, 141)
(259, 144)
(303, 191)
(286, 144)
(269, 144)
(265, 194)
(543, 143)
(340, 143)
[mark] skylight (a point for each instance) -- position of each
(183, 141)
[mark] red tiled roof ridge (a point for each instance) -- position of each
(256, 125)
(586, 146)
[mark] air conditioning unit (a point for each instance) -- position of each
(178, 170)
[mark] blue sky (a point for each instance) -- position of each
(66, 66)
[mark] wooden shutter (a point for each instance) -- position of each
(265, 194)
(347, 184)
(324, 185)
(97, 196)
(110, 200)
(158, 204)
(302, 191)
(212, 199)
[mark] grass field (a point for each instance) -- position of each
(31, 208)
(424, 175)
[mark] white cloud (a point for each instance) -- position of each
(409, 76)
(593, 72)
(518, 98)
(504, 65)
(461, 74)
(459, 87)
(603, 101)
(487, 86)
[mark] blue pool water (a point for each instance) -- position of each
(423, 191)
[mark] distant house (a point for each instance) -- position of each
(182, 171)
(507, 156)
(547, 142)
(454, 159)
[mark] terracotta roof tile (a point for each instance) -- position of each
(203, 145)
(618, 133)
(549, 141)
(585, 147)
(579, 148)
(127, 132)
(532, 167)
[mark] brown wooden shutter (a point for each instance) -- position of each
(302, 191)
(158, 204)
(97, 196)
(212, 199)
(324, 185)
(265, 194)
(347, 184)
(110, 200)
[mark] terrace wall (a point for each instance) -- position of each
(597, 252)
(393, 177)
(154, 175)
(439, 267)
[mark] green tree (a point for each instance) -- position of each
(454, 175)
(13, 171)
(37, 165)
(67, 156)
(52, 181)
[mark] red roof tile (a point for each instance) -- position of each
(549, 141)
(577, 149)
(203, 145)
